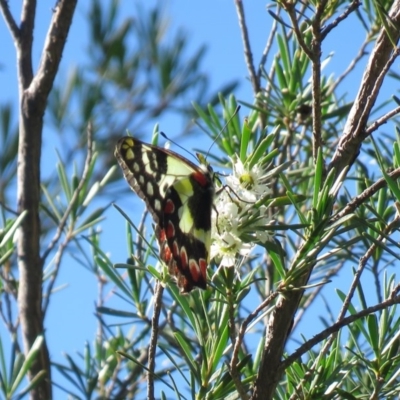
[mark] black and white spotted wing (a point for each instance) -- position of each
(179, 195)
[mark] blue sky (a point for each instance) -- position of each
(71, 320)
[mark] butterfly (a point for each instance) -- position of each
(179, 195)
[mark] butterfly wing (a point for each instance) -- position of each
(179, 195)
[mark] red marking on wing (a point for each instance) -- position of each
(170, 232)
(161, 234)
(169, 207)
(194, 269)
(188, 272)
(201, 178)
(203, 268)
(175, 249)
(184, 258)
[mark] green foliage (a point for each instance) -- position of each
(313, 222)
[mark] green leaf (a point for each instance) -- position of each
(29, 360)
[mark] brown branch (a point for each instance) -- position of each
(53, 47)
(267, 48)
(346, 303)
(366, 194)
(361, 53)
(245, 324)
(10, 21)
(24, 44)
(316, 81)
(380, 60)
(289, 7)
(33, 100)
(233, 366)
(382, 120)
(352, 7)
(337, 326)
(153, 340)
(247, 48)
(74, 197)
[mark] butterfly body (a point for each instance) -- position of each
(179, 195)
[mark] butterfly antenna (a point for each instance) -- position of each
(213, 142)
(164, 135)
(223, 128)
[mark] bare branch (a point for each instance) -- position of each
(366, 194)
(352, 7)
(245, 324)
(380, 60)
(53, 48)
(361, 53)
(75, 195)
(33, 101)
(153, 340)
(356, 280)
(290, 9)
(10, 21)
(382, 120)
(268, 47)
(337, 326)
(255, 81)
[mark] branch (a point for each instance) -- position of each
(337, 326)
(10, 21)
(247, 49)
(380, 60)
(75, 195)
(242, 331)
(268, 47)
(33, 96)
(153, 340)
(245, 324)
(316, 81)
(289, 7)
(352, 7)
(24, 44)
(361, 53)
(347, 301)
(382, 120)
(53, 48)
(366, 194)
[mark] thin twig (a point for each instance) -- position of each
(362, 264)
(314, 295)
(235, 374)
(290, 9)
(10, 21)
(352, 7)
(366, 194)
(347, 301)
(247, 49)
(153, 340)
(316, 82)
(52, 280)
(245, 324)
(377, 87)
(382, 120)
(10, 210)
(268, 46)
(338, 325)
(75, 195)
(361, 53)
